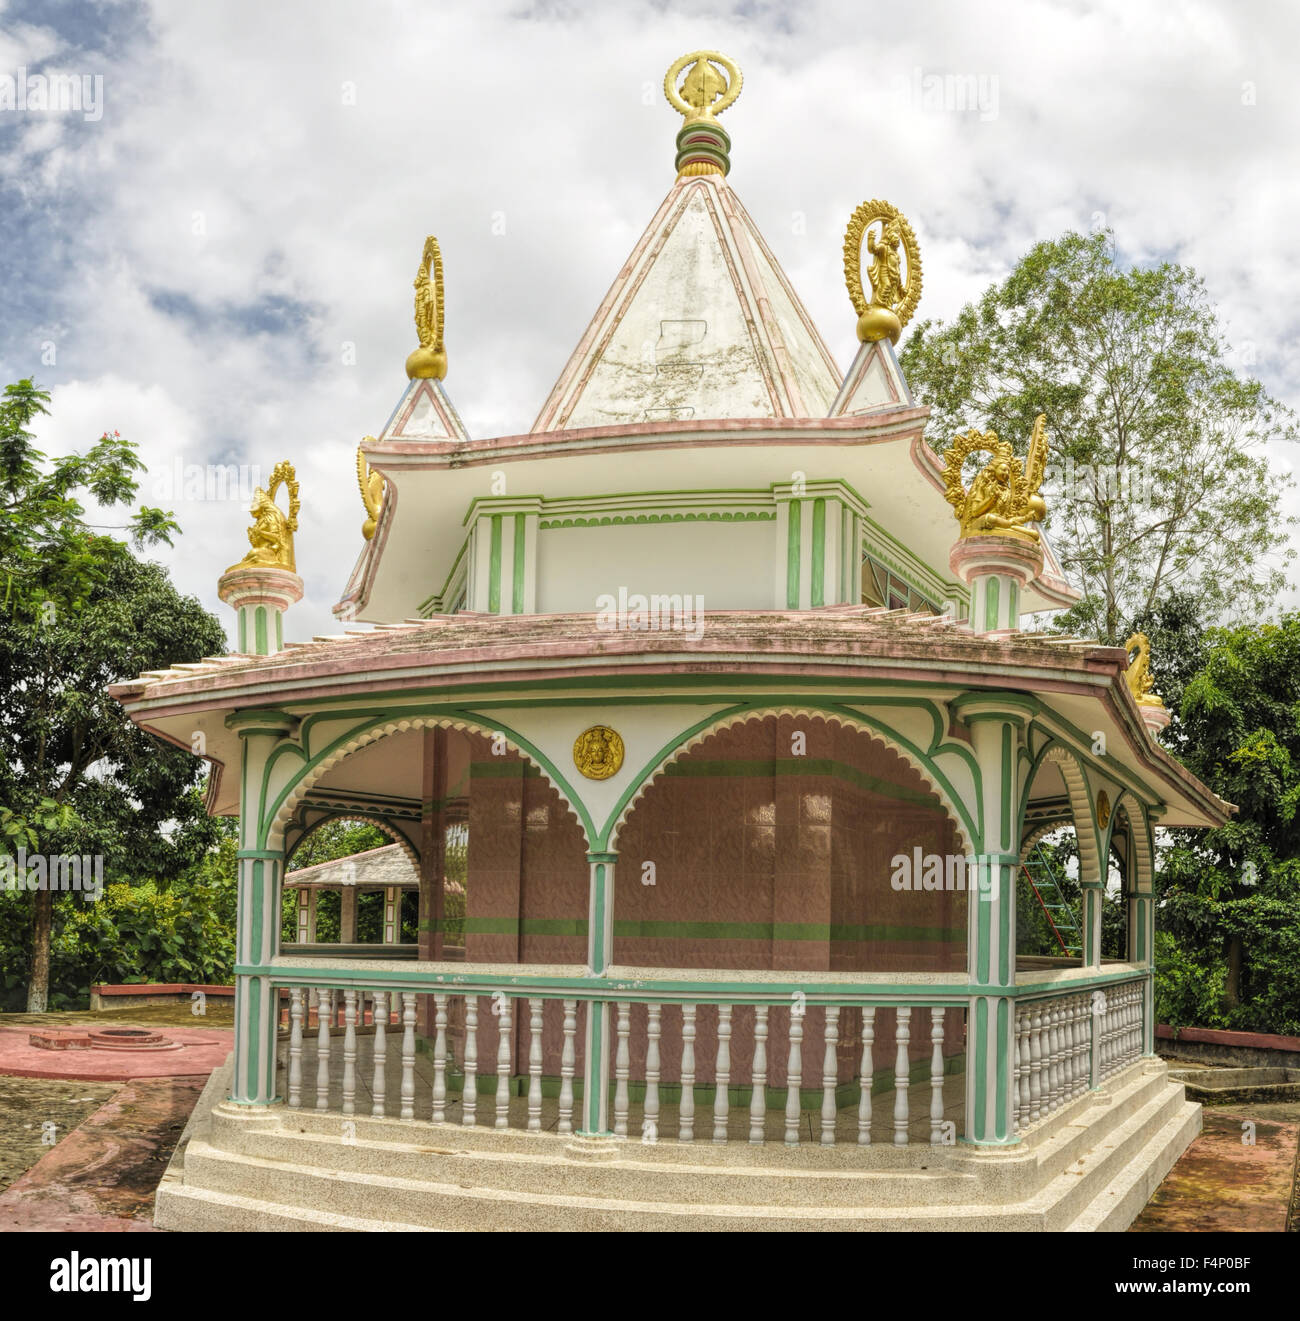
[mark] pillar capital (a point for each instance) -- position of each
(259, 595)
(997, 570)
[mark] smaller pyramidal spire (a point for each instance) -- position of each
(700, 86)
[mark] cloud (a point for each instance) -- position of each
(223, 262)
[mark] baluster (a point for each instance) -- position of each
(408, 1054)
(535, 1066)
(936, 1077)
(686, 1107)
(567, 1058)
(295, 1046)
(1017, 1123)
(793, 1078)
(650, 1114)
(324, 1012)
(379, 1080)
(758, 1077)
(1072, 1039)
(722, 1075)
(902, 1075)
(830, 1075)
(1051, 1058)
(1083, 1035)
(622, 1067)
(866, 1077)
(503, 1064)
(439, 1059)
(349, 1052)
(1022, 1057)
(1035, 1065)
(469, 1088)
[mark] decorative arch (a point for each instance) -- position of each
(384, 826)
(313, 770)
(933, 779)
(1085, 826)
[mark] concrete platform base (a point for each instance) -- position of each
(1091, 1166)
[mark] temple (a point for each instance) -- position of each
(711, 749)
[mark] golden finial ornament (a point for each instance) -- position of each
(1003, 500)
(895, 292)
(1103, 809)
(429, 361)
(372, 489)
(1138, 675)
(700, 86)
(271, 536)
(598, 752)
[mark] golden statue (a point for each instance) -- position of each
(1003, 499)
(894, 292)
(704, 93)
(429, 361)
(1140, 682)
(372, 490)
(271, 535)
(598, 752)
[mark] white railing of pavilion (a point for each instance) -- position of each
(1070, 1042)
(887, 1077)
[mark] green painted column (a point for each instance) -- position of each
(259, 596)
(1093, 894)
(257, 920)
(997, 730)
(600, 948)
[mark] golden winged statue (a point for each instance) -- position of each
(1140, 682)
(1003, 500)
(271, 536)
(372, 490)
(429, 361)
(704, 92)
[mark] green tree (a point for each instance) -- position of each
(1231, 896)
(76, 776)
(1156, 482)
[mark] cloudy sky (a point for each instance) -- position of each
(215, 257)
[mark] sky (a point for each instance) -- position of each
(213, 253)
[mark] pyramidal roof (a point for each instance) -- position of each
(701, 321)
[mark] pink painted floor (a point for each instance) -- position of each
(202, 1050)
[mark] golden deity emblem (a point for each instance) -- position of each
(372, 490)
(429, 361)
(1003, 499)
(1138, 675)
(704, 92)
(895, 285)
(1103, 809)
(598, 752)
(271, 535)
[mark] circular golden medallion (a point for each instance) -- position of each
(598, 752)
(1103, 809)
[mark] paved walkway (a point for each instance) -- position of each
(101, 1178)
(1224, 1184)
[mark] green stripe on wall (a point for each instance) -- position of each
(633, 930)
(819, 552)
(792, 555)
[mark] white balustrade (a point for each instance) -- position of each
(830, 1075)
(758, 1077)
(622, 1067)
(686, 1105)
(936, 1077)
(408, 1055)
(349, 1052)
(469, 1089)
(379, 1060)
(650, 1113)
(902, 1074)
(295, 1046)
(439, 1059)
(866, 1076)
(503, 1063)
(324, 1012)
(793, 1078)
(567, 1061)
(535, 1065)
(722, 1074)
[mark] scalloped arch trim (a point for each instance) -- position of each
(844, 720)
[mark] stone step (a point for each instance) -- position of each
(549, 1167)
(282, 1188)
(1096, 1171)
(1115, 1208)
(202, 1210)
